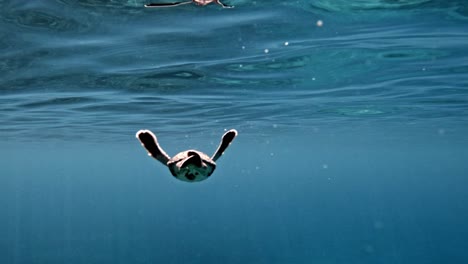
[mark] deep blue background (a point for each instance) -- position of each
(314, 197)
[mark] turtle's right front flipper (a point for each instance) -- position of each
(150, 143)
(167, 4)
(223, 5)
(227, 138)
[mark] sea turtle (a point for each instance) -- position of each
(197, 2)
(190, 165)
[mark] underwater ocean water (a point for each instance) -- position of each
(352, 120)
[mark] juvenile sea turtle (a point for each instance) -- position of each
(197, 2)
(190, 165)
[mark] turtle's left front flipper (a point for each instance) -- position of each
(153, 5)
(150, 143)
(227, 138)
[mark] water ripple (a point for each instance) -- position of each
(339, 5)
(43, 20)
(109, 68)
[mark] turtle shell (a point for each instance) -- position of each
(191, 166)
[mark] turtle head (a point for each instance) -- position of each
(193, 158)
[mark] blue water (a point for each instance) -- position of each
(352, 143)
